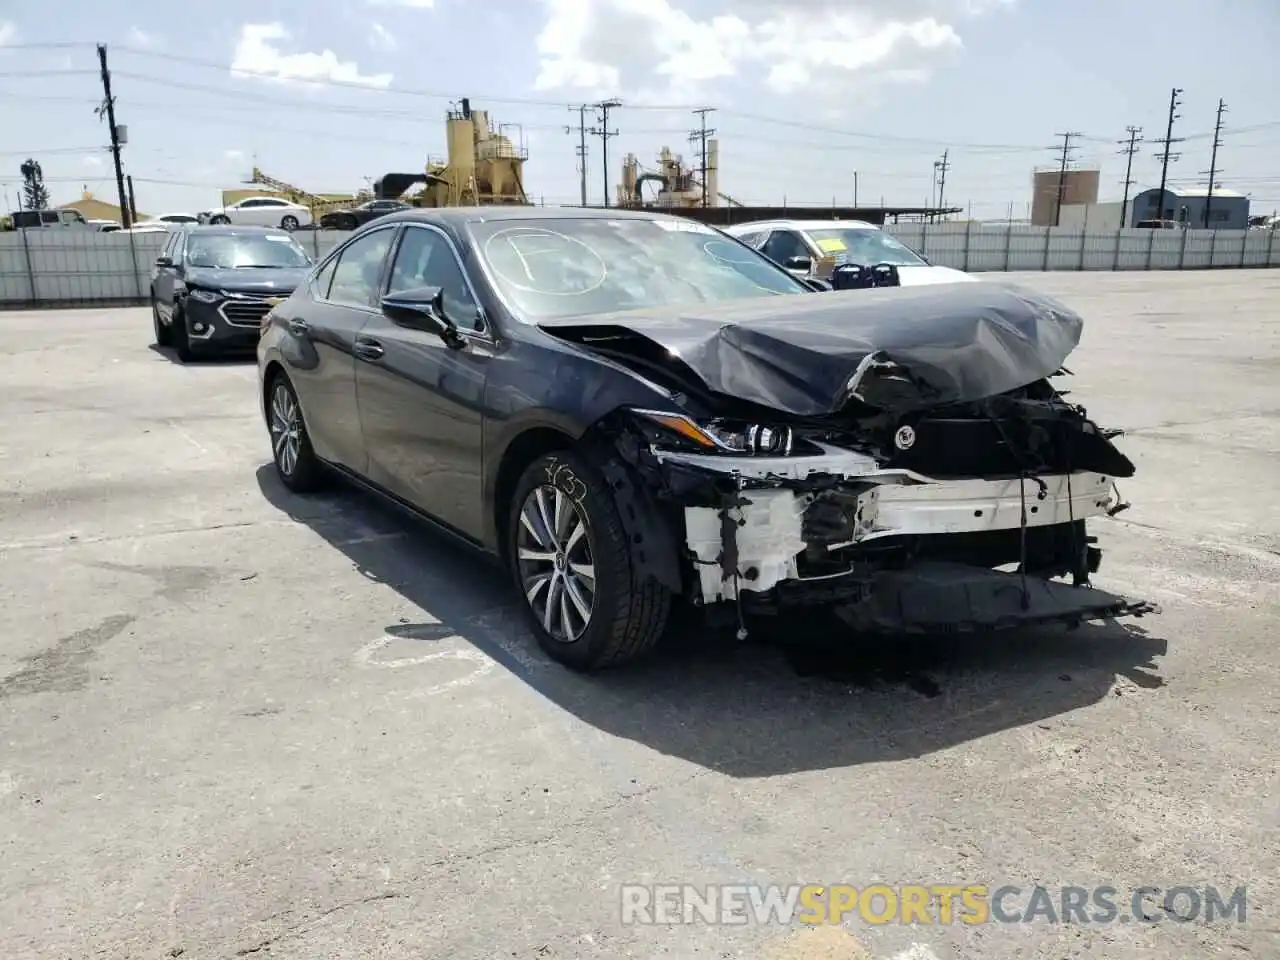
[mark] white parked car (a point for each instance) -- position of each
(261, 212)
(799, 244)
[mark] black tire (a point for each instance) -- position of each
(179, 339)
(162, 331)
(219, 219)
(290, 223)
(628, 613)
(303, 472)
(349, 223)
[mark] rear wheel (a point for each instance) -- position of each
(290, 223)
(571, 561)
(296, 463)
(220, 219)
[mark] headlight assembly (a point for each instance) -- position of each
(723, 436)
(204, 296)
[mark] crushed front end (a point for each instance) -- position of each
(960, 517)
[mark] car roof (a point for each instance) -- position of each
(456, 217)
(226, 228)
(801, 225)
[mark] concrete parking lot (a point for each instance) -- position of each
(234, 722)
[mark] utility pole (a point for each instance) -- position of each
(108, 109)
(581, 149)
(941, 167)
(1167, 155)
(1130, 148)
(133, 203)
(604, 133)
(1213, 161)
(1064, 159)
(700, 135)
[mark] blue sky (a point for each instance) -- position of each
(806, 91)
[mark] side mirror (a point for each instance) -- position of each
(164, 261)
(422, 309)
(799, 263)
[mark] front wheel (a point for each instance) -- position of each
(289, 223)
(296, 463)
(572, 563)
(180, 337)
(158, 325)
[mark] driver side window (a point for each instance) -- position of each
(359, 269)
(782, 245)
(425, 259)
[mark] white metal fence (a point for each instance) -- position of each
(63, 267)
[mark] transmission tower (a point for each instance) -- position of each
(1066, 155)
(1213, 170)
(1130, 148)
(1167, 156)
(940, 168)
(699, 136)
(581, 149)
(604, 133)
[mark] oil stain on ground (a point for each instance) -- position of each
(64, 666)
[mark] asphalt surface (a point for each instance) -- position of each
(234, 722)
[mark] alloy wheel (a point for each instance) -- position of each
(557, 571)
(286, 428)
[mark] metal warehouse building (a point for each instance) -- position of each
(1228, 210)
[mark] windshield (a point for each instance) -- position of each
(243, 250)
(864, 246)
(570, 267)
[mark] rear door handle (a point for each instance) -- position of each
(299, 327)
(367, 348)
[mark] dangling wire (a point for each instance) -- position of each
(1022, 537)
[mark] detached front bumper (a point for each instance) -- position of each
(894, 549)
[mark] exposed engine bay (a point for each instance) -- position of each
(888, 466)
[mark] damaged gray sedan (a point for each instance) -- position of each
(633, 411)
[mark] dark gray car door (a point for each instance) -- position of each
(164, 283)
(420, 400)
(323, 328)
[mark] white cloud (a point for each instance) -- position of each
(140, 38)
(257, 54)
(92, 163)
(411, 4)
(235, 156)
(380, 38)
(8, 32)
(661, 49)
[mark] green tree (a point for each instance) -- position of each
(35, 195)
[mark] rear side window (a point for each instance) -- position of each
(322, 280)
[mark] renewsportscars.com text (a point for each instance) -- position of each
(924, 904)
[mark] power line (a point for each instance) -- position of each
(699, 136)
(1213, 170)
(1066, 156)
(1166, 155)
(1130, 148)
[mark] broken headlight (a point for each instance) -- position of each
(719, 436)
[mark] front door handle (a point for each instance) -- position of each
(299, 327)
(367, 348)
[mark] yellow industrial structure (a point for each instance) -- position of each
(91, 208)
(678, 185)
(484, 166)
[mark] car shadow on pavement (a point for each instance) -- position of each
(798, 695)
(215, 359)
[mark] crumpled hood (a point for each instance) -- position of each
(896, 348)
(282, 280)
